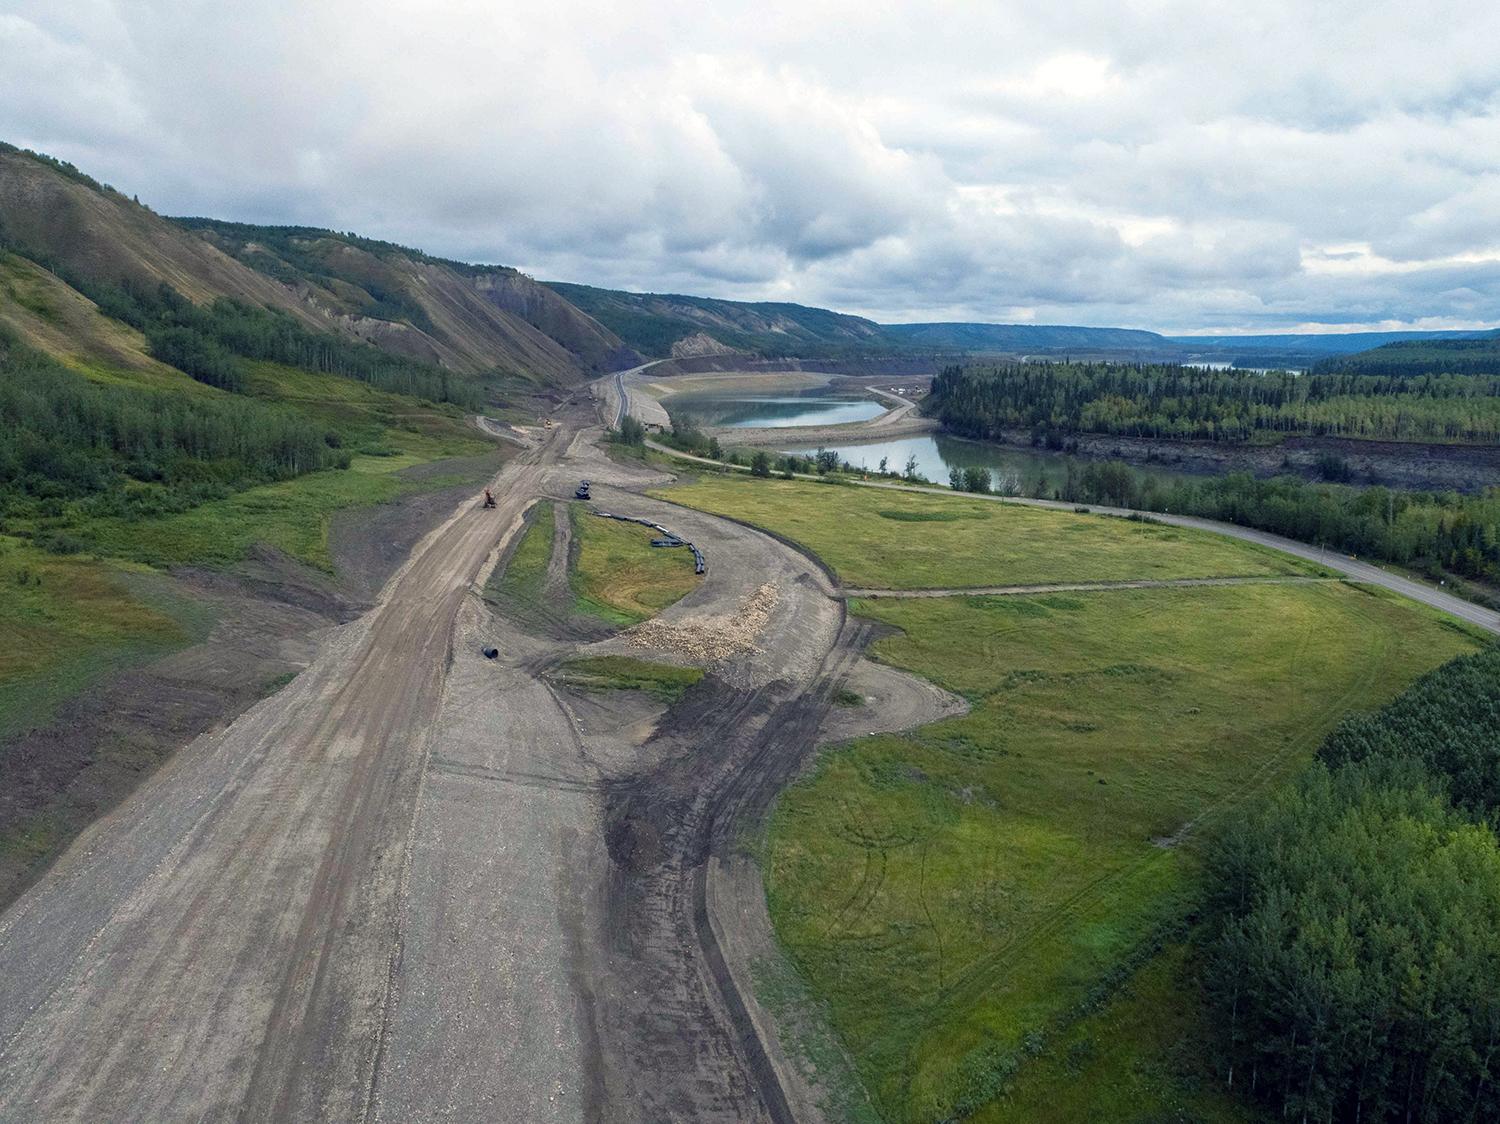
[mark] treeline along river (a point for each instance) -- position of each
(1176, 402)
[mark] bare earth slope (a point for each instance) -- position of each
(465, 318)
(104, 236)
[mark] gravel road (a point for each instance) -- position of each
(417, 884)
(223, 945)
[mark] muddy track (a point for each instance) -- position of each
(663, 829)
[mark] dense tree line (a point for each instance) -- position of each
(65, 439)
(1449, 723)
(1443, 531)
(1413, 358)
(1174, 402)
(1355, 920)
(207, 342)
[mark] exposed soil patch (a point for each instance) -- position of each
(101, 744)
(711, 638)
(268, 612)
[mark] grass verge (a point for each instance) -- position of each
(618, 575)
(69, 621)
(664, 681)
(886, 539)
(519, 583)
(955, 896)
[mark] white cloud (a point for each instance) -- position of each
(1172, 165)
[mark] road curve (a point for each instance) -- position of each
(1364, 572)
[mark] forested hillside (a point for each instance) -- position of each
(1169, 401)
(652, 322)
(69, 445)
(1412, 358)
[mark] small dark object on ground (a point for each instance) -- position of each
(669, 541)
(583, 490)
(489, 500)
(490, 653)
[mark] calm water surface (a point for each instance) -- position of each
(1011, 468)
(744, 411)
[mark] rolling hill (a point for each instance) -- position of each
(467, 319)
(656, 323)
(1473, 356)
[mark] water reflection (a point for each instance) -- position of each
(750, 410)
(1011, 468)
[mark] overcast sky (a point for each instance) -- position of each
(1150, 163)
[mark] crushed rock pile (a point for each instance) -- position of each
(711, 638)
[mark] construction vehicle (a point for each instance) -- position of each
(489, 500)
(583, 491)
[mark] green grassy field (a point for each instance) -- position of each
(618, 575)
(956, 890)
(66, 622)
(518, 584)
(952, 892)
(879, 539)
(665, 681)
(993, 904)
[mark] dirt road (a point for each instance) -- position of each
(222, 946)
(417, 884)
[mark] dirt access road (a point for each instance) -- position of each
(417, 884)
(222, 945)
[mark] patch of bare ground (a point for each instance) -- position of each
(711, 638)
(267, 613)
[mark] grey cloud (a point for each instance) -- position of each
(1270, 164)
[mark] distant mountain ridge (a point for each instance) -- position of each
(973, 337)
(493, 320)
(1330, 343)
(468, 319)
(652, 322)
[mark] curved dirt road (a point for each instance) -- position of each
(417, 884)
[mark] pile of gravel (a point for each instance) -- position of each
(709, 639)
